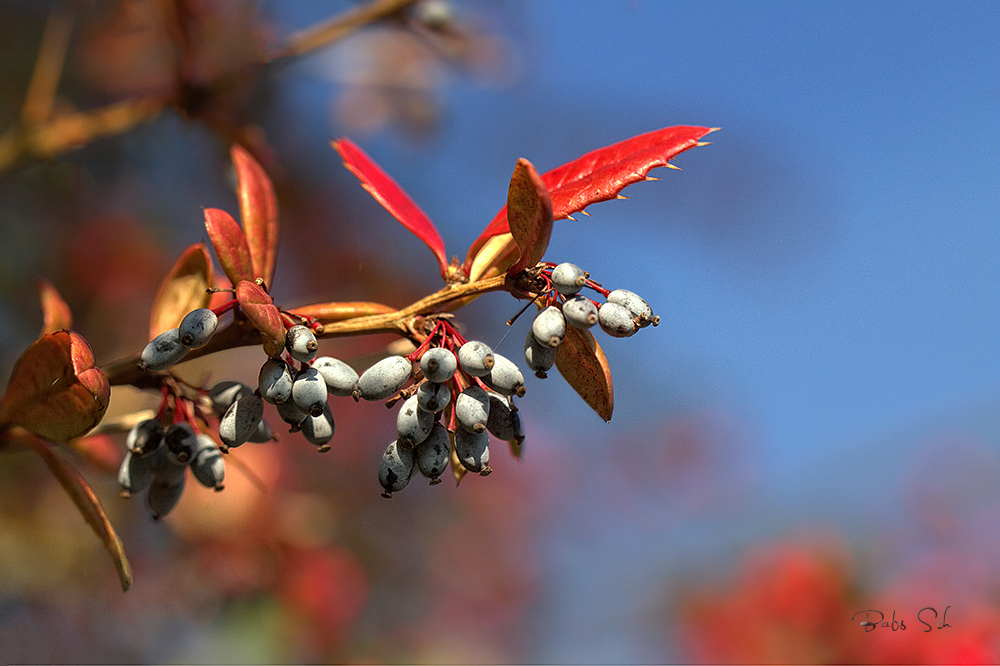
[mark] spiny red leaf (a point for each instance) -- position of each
(601, 174)
(263, 314)
(529, 214)
(182, 290)
(582, 364)
(89, 507)
(55, 390)
(230, 245)
(392, 197)
(258, 212)
(55, 313)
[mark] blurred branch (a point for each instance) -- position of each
(48, 68)
(41, 136)
(339, 27)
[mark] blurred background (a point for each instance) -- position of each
(813, 430)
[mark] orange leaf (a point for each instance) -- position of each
(583, 365)
(327, 313)
(182, 290)
(55, 312)
(230, 245)
(262, 313)
(89, 506)
(55, 391)
(529, 213)
(258, 211)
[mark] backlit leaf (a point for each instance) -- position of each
(257, 305)
(55, 313)
(582, 364)
(230, 245)
(55, 390)
(601, 174)
(328, 313)
(182, 290)
(258, 212)
(392, 197)
(89, 506)
(529, 213)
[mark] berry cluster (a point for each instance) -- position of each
(560, 304)
(461, 394)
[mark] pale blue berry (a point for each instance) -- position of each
(274, 381)
(240, 420)
(309, 391)
(395, 470)
(505, 377)
(162, 352)
(473, 450)
(341, 379)
(301, 343)
(580, 311)
(318, 430)
(568, 278)
(538, 357)
(412, 423)
(476, 358)
(384, 378)
(641, 312)
(197, 328)
(616, 320)
(504, 422)
(207, 464)
(438, 365)
(433, 397)
(432, 454)
(145, 437)
(472, 408)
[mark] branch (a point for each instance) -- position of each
(400, 322)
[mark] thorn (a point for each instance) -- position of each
(703, 143)
(586, 213)
(714, 129)
(570, 217)
(621, 196)
(672, 166)
(651, 178)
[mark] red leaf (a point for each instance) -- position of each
(601, 174)
(230, 245)
(262, 313)
(55, 313)
(258, 211)
(55, 391)
(182, 290)
(392, 197)
(530, 215)
(89, 507)
(582, 364)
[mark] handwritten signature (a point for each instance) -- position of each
(870, 623)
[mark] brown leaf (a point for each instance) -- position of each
(55, 391)
(583, 365)
(258, 212)
(230, 245)
(55, 313)
(529, 214)
(262, 313)
(182, 290)
(89, 506)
